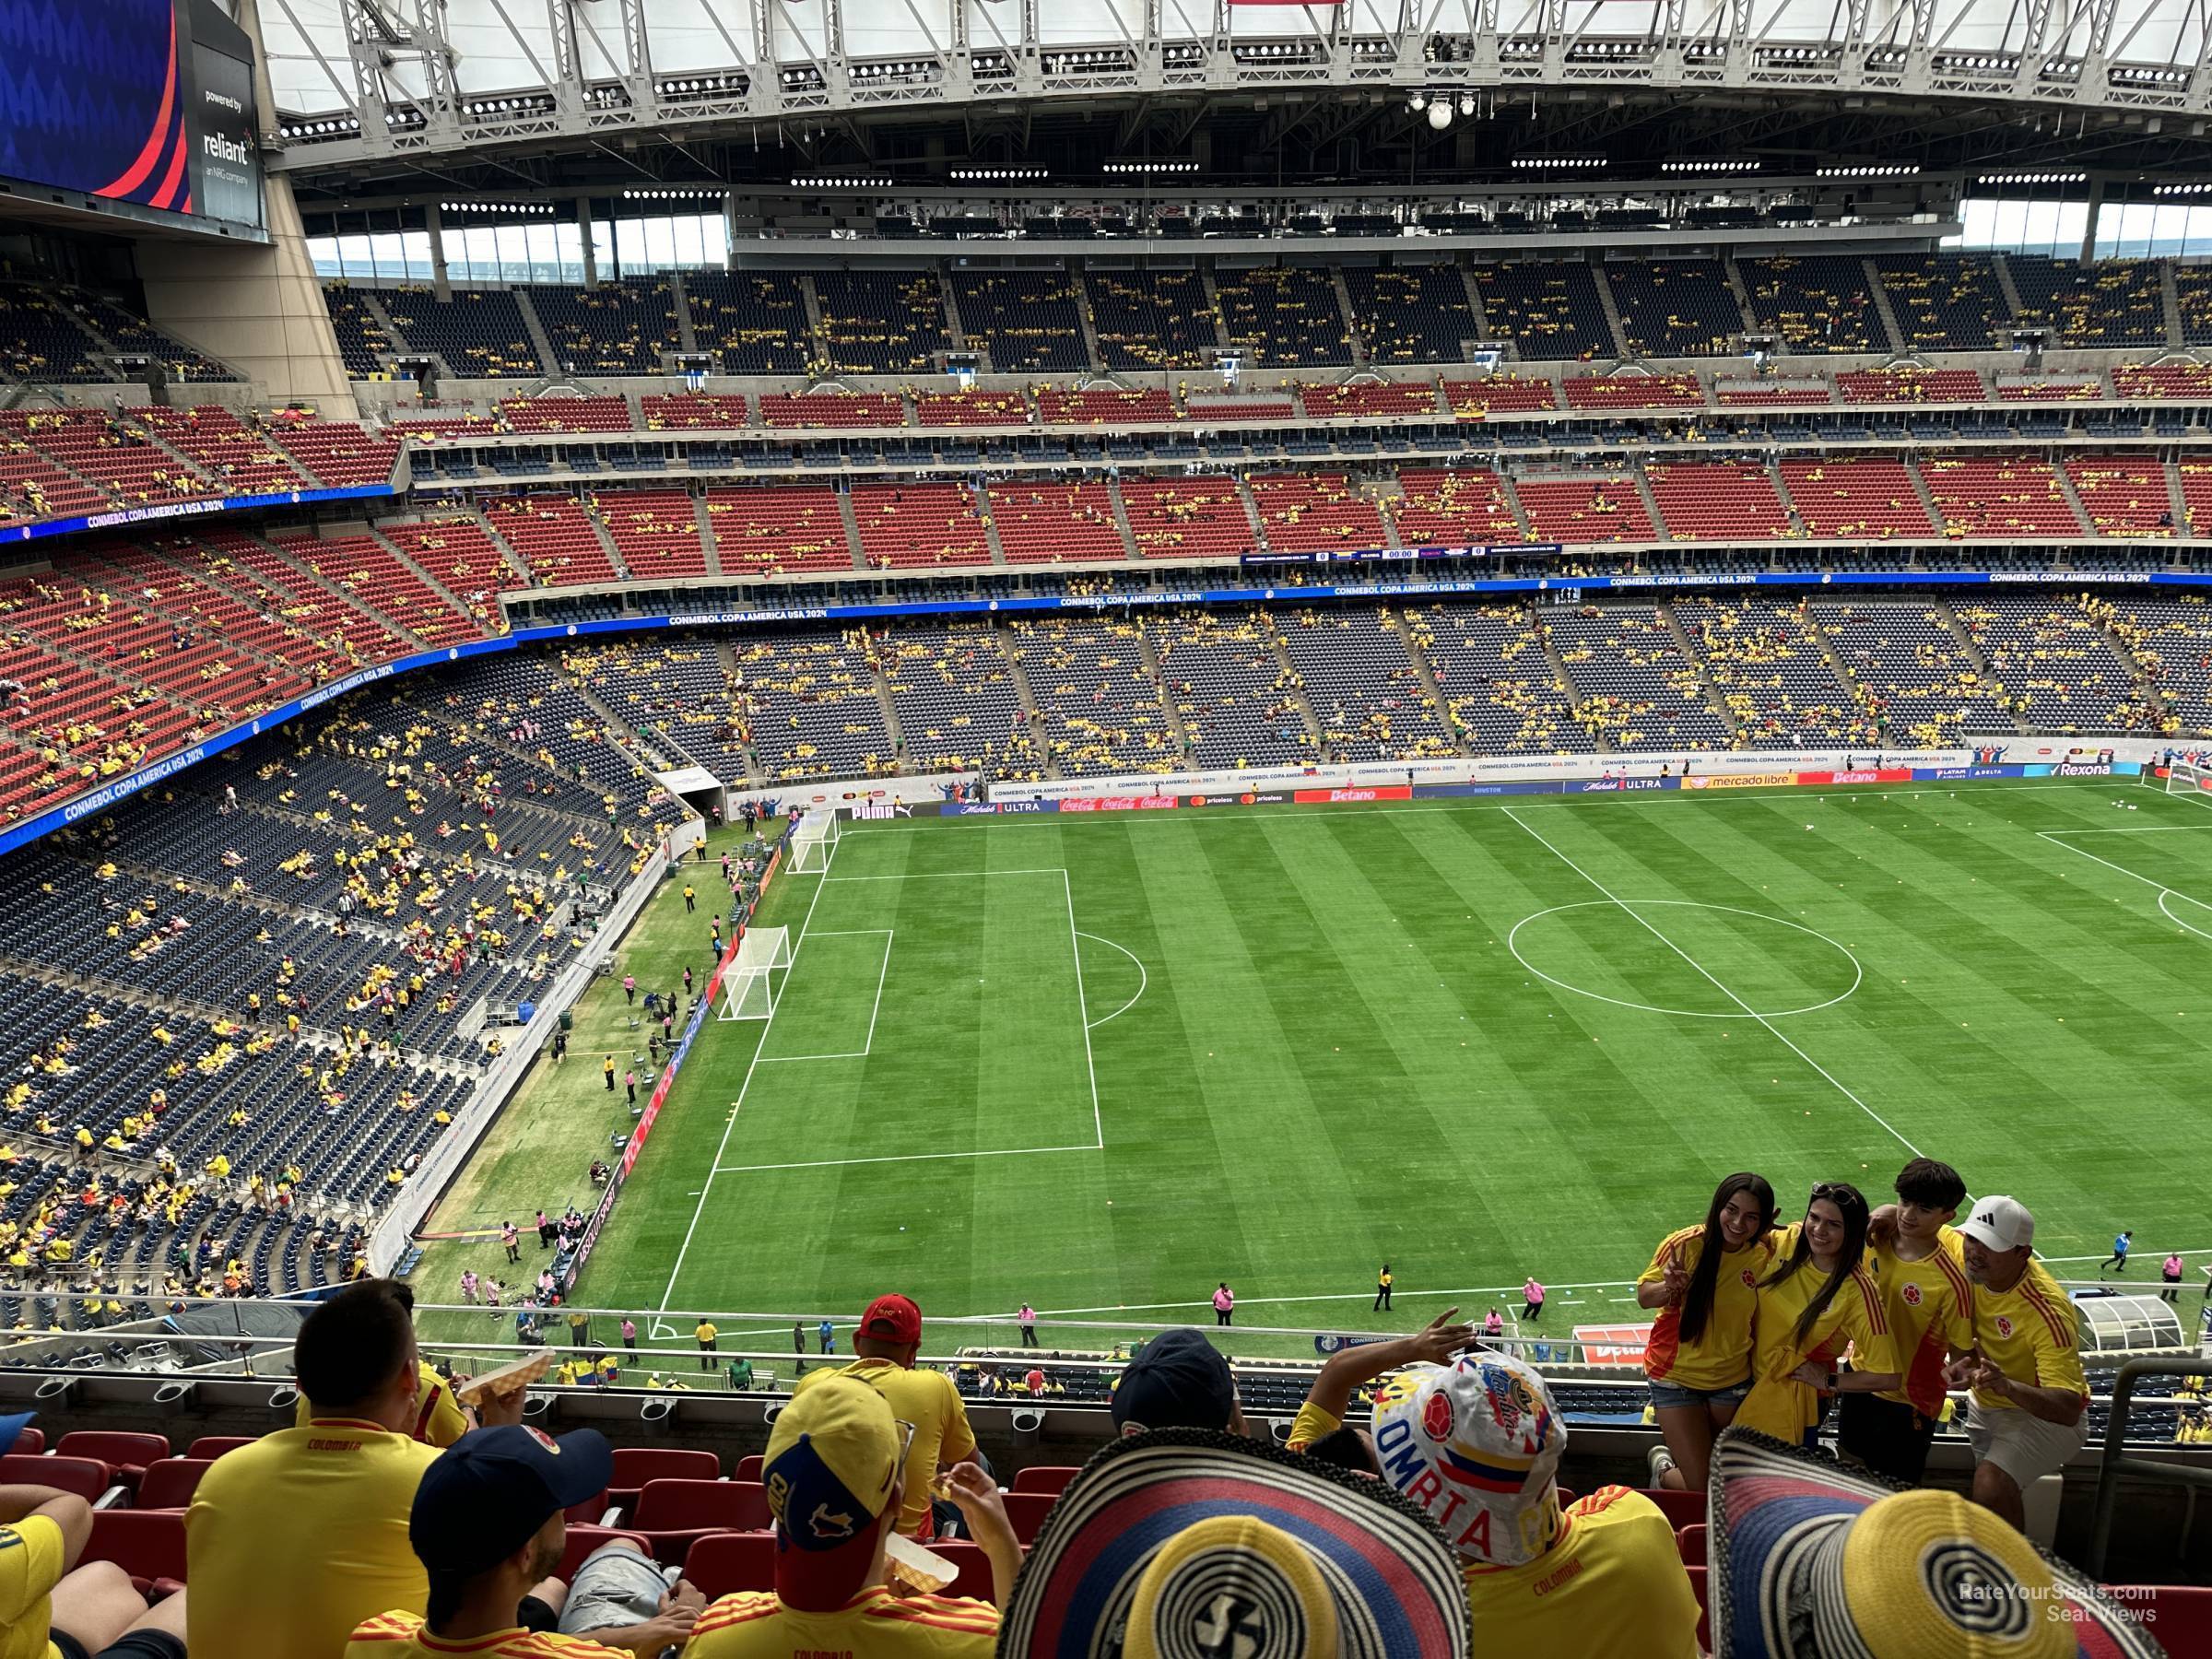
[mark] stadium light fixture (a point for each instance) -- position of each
(2200, 188)
(1149, 167)
(2033, 177)
(1892, 170)
(1439, 115)
(1711, 164)
(1558, 163)
(1000, 175)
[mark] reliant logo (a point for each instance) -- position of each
(221, 148)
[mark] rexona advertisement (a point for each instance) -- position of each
(147, 103)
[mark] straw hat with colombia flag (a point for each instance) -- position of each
(832, 1464)
(1187, 1544)
(1813, 1560)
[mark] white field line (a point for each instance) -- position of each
(946, 874)
(838, 1163)
(867, 1047)
(1074, 943)
(1717, 985)
(1143, 979)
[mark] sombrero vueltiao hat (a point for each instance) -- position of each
(1813, 1560)
(1182, 1544)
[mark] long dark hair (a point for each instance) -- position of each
(1697, 1301)
(1852, 1204)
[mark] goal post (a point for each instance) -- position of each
(2187, 778)
(813, 841)
(754, 980)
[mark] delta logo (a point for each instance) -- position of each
(1912, 1296)
(2003, 1326)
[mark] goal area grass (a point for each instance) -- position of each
(1103, 1064)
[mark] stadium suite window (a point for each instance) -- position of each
(688, 242)
(2006, 226)
(387, 256)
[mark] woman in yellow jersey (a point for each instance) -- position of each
(1820, 1299)
(1703, 1280)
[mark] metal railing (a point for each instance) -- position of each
(2117, 1464)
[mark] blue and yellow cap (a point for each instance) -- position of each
(832, 1464)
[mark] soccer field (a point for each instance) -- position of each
(1104, 1063)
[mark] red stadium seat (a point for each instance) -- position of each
(749, 1468)
(1697, 1585)
(590, 1511)
(1681, 1509)
(2179, 1616)
(583, 1540)
(171, 1483)
(146, 1544)
(975, 1565)
(1047, 1479)
(1028, 1510)
(215, 1445)
(634, 1466)
(725, 1563)
(1689, 1543)
(82, 1476)
(29, 1443)
(126, 1454)
(674, 1514)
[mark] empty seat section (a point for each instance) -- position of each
(369, 573)
(2172, 640)
(831, 409)
(1492, 673)
(130, 334)
(1820, 304)
(615, 328)
(339, 452)
(754, 322)
(1770, 394)
(2050, 388)
(971, 408)
(813, 705)
(1411, 313)
(1717, 501)
(457, 552)
(655, 532)
(1363, 685)
(33, 487)
(1103, 407)
(1634, 392)
(952, 689)
(2190, 380)
(1998, 495)
(1026, 319)
(1945, 301)
(1048, 521)
(566, 413)
(2111, 302)
(771, 529)
(1309, 511)
(1919, 684)
(2122, 494)
(1237, 699)
(115, 454)
(881, 322)
(1550, 309)
(1674, 308)
(1370, 400)
(240, 459)
(1854, 500)
(363, 342)
(1634, 682)
(1097, 693)
(1909, 385)
(1201, 517)
(1772, 676)
(555, 537)
(1152, 319)
(40, 342)
(695, 411)
(478, 332)
(1498, 394)
(677, 694)
(903, 525)
(2058, 669)
(1284, 316)
(1455, 507)
(1585, 509)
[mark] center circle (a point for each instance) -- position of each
(1746, 1010)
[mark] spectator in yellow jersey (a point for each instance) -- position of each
(1476, 1445)
(1917, 1258)
(1184, 1544)
(488, 1522)
(1703, 1283)
(1818, 1301)
(834, 1472)
(2028, 1412)
(292, 1541)
(887, 1339)
(1824, 1562)
(53, 1608)
(1320, 1429)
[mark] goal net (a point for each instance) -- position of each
(813, 839)
(2187, 778)
(754, 980)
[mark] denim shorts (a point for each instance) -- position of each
(1669, 1396)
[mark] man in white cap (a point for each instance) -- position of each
(1476, 1444)
(2029, 1410)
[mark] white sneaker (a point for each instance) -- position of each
(1661, 1460)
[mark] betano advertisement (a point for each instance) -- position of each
(148, 104)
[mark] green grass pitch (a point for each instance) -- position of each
(1102, 1063)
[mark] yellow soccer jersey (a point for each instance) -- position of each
(1854, 1317)
(929, 1400)
(2033, 1335)
(320, 1509)
(1310, 1424)
(877, 1624)
(439, 1419)
(32, 1554)
(1611, 1582)
(401, 1636)
(1931, 1308)
(1721, 1356)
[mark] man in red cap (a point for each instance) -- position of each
(888, 1337)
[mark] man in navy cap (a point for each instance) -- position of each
(1177, 1380)
(490, 1522)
